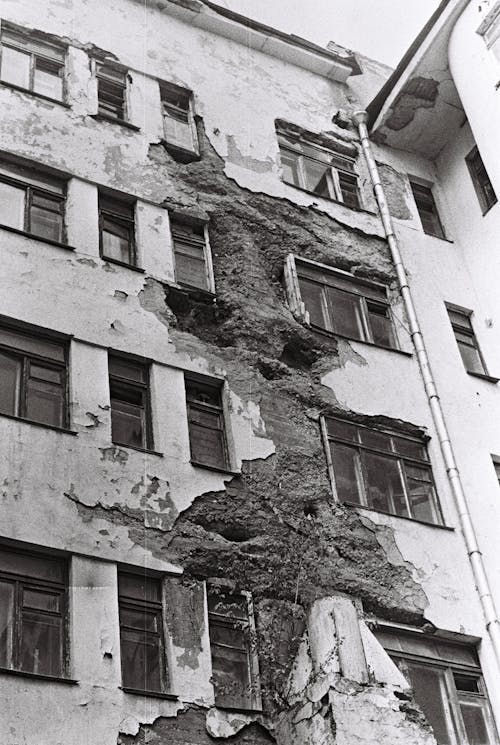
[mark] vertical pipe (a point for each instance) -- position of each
(475, 556)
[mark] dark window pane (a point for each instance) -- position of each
(380, 324)
(374, 439)
(421, 492)
(10, 381)
(207, 446)
(12, 204)
(231, 676)
(290, 167)
(409, 448)
(430, 693)
(231, 606)
(140, 620)
(312, 295)
(139, 586)
(466, 683)
(347, 473)
(385, 490)
(475, 723)
(349, 189)
(6, 623)
(44, 400)
(177, 123)
(338, 428)
(127, 423)
(45, 223)
(129, 370)
(32, 345)
(48, 78)
(41, 600)
(346, 313)
(189, 269)
(228, 636)
(116, 243)
(41, 644)
(471, 358)
(316, 176)
(205, 417)
(141, 660)
(32, 566)
(207, 394)
(111, 98)
(15, 67)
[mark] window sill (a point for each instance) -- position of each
(485, 211)
(122, 263)
(359, 341)
(438, 237)
(227, 471)
(35, 94)
(483, 376)
(183, 154)
(148, 451)
(329, 199)
(112, 120)
(150, 694)
(34, 237)
(399, 517)
(240, 709)
(37, 676)
(54, 427)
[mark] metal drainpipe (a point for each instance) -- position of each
(475, 556)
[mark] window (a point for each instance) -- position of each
(427, 210)
(381, 470)
(466, 339)
(130, 409)
(324, 172)
(206, 423)
(33, 377)
(178, 121)
(480, 179)
(192, 259)
(31, 201)
(111, 91)
(32, 613)
(447, 685)
(33, 64)
(116, 230)
(235, 671)
(141, 633)
(496, 466)
(340, 303)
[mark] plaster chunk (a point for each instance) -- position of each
(221, 723)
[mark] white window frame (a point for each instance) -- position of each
(195, 146)
(207, 254)
(126, 103)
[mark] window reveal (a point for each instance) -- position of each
(466, 340)
(141, 633)
(32, 613)
(206, 423)
(427, 210)
(33, 64)
(111, 91)
(190, 252)
(382, 471)
(177, 117)
(482, 184)
(31, 201)
(116, 230)
(129, 391)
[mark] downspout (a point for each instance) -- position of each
(475, 556)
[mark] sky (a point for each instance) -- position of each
(381, 29)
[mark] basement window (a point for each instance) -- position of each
(468, 346)
(338, 302)
(32, 201)
(193, 264)
(130, 403)
(144, 667)
(111, 91)
(178, 118)
(117, 230)
(380, 470)
(318, 170)
(33, 377)
(207, 435)
(32, 613)
(235, 666)
(481, 180)
(427, 210)
(31, 63)
(447, 685)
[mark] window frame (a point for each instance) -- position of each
(476, 167)
(291, 146)
(468, 331)
(367, 291)
(20, 580)
(118, 218)
(108, 79)
(201, 242)
(253, 698)
(455, 697)
(219, 385)
(167, 88)
(30, 39)
(423, 192)
(26, 358)
(362, 480)
(143, 387)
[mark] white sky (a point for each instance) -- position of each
(381, 29)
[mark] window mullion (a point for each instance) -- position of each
(361, 478)
(365, 319)
(404, 481)
(301, 170)
(17, 622)
(334, 184)
(327, 309)
(32, 71)
(23, 392)
(454, 706)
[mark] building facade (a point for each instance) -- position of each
(249, 397)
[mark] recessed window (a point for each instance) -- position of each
(427, 210)
(325, 172)
(340, 303)
(235, 671)
(447, 685)
(178, 120)
(141, 633)
(32, 377)
(481, 180)
(117, 230)
(381, 470)
(207, 435)
(32, 613)
(32, 201)
(191, 254)
(130, 407)
(496, 465)
(466, 339)
(32, 63)
(111, 91)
